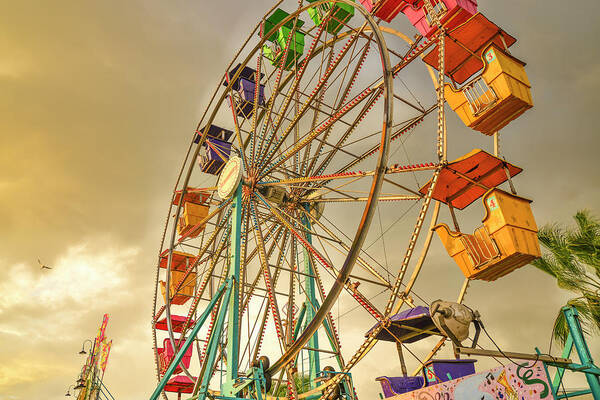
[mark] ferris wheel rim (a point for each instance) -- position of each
(377, 179)
(221, 100)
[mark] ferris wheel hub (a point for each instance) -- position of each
(230, 178)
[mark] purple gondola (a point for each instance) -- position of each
(247, 90)
(395, 385)
(246, 73)
(438, 371)
(245, 85)
(403, 326)
(215, 150)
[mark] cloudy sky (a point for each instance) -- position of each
(97, 104)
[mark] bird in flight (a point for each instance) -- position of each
(42, 266)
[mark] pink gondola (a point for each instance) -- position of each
(166, 354)
(177, 323)
(180, 384)
(451, 13)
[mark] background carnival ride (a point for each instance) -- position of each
(89, 384)
(304, 142)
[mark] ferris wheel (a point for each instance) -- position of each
(311, 191)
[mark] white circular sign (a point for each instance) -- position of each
(230, 177)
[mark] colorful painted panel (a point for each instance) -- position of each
(527, 381)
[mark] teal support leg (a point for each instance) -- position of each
(331, 337)
(582, 349)
(233, 324)
(574, 394)
(311, 306)
(213, 343)
(552, 387)
(299, 322)
(559, 370)
(189, 341)
(259, 378)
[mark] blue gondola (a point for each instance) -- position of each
(245, 85)
(215, 150)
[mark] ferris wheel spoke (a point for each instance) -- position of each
(363, 199)
(317, 108)
(410, 125)
(311, 98)
(277, 82)
(354, 292)
(261, 333)
(333, 333)
(338, 101)
(349, 85)
(323, 189)
(339, 145)
(208, 274)
(396, 184)
(256, 279)
(253, 348)
(288, 98)
(261, 112)
(410, 104)
(236, 125)
(412, 243)
(267, 277)
(296, 183)
(289, 309)
(362, 262)
(257, 91)
(314, 133)
(267, 309)
(243, 250)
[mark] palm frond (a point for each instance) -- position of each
(573, 259)
(545, 265)
(593, 320)
(560, 331)
(585, 241)
(568, 276)
(586, 318)
(587, 224)
(302, 383)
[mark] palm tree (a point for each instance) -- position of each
(573, 258)
(302, 385)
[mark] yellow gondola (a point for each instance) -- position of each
(499, 95)
(507, 239)
(186, 290)
(190, 220)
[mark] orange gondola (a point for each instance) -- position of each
(498, 90)
(186, 290)
(499, 95)
(507, 239)
(195, 209)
